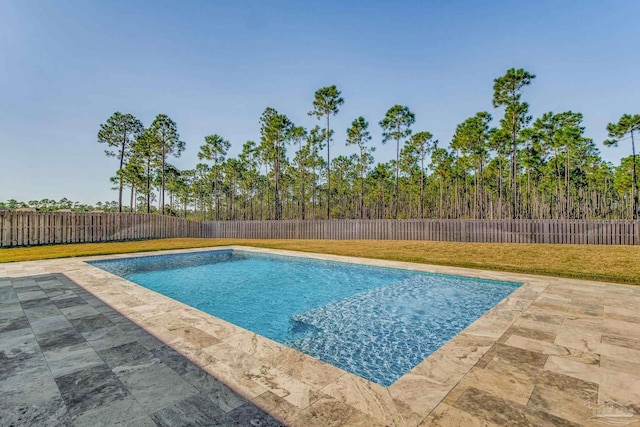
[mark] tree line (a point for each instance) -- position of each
(542, 168)
(64, 204)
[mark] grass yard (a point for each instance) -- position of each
(604, 263)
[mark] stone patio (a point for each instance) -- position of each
(547, 355)
(69, 359)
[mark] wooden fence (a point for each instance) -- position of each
(42, 228)
(592, 232)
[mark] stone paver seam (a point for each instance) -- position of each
(332, 382)
(41, 351)
(372, 416)
(395, 407)
(148, 332)
(452, 388)
(532, 393)
(118, 379)
(434, 408)
(103, 361)
(276, 416)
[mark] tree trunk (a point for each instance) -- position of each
(148, 185)
(514, 166)
(124, 146)
(422, 187)
(132, 197)
(566, 184)
(482, 201)
(301, 184)
(362, 165)
(514, 181)
(499, 187)
(163, 165)
(557, 183)
(528, 210)
(475, 194)
(441, 194)
(635, 178)
(328, 171)
(215, 191)
(395, 207)
(276, 166)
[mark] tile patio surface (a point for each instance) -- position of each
(81, 346)
(69, 359)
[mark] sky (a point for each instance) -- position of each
(214, 66)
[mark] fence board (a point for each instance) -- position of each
(506, 231)
(44, 228)
(39, 228)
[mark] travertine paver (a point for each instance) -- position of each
(95, 367)
(549, 354)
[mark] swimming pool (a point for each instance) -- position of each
(375, 322)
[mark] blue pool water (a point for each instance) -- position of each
(374, 322)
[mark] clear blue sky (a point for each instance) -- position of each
(66, 66)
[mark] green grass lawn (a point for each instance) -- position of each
(604, 263)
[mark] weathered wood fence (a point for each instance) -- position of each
(42, 228)
(592, 232)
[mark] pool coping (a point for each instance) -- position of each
(293, 386)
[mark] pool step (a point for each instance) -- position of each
(374, 333)
(382, 333)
